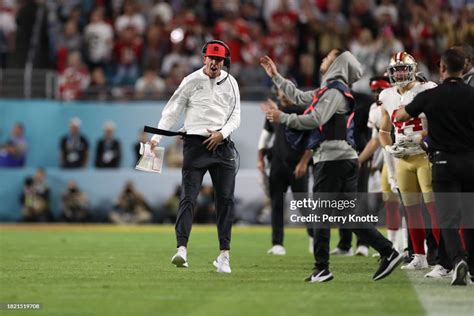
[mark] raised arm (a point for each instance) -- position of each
(297, 97)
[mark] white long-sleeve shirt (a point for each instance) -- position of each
(205, 104)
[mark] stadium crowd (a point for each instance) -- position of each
(143, 48)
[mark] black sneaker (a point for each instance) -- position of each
(320, 276)
(460, 273)
(407, 256)
(388, 264)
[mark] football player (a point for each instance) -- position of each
(413, 171)
(391, 202)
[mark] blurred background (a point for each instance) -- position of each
(79, 79)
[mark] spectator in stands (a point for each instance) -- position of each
(174, 154)
(131, 18)
(109, 151)
(177, 56)
(157, 44)
(74, 147)
(162, 11)
(70, 39)
(251, 52)
(128, 52)
(34, 199)
(150, 85)
(13, 153)
(290, 28)
(75, 205)
(386, 45)
(98, 89)
(363, 49)
(306, 76)
(99, 37)
(281, 40)
(386, 13)
(419, 37)
(335, 28)
(233, 30)
(40, 185)
(7, 33)
(131, 207)
(176, 75)
(361, 17)
(74, 79)
(142, 138)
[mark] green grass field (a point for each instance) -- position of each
(108, 270)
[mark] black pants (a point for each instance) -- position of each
(454, 174)
(345, 234)
(340, 176)
(221, 166)
(282, 177)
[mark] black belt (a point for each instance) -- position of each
(153, 130)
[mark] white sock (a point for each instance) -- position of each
(392, 236)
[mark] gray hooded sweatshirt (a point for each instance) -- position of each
(344, 68)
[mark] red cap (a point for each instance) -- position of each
(216, 50)
(379, 84)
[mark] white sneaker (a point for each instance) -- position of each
(180, 258)
(362, 251)
(277, 250)
(339, 252)
(222, 263)
(438, 272)
(418, 263)
(311, 245)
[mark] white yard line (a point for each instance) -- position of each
(439, 298)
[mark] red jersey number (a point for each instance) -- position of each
(416, 124)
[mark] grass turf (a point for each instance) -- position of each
(108, 270)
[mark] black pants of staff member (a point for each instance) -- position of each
(221, 166)
(454, 173)
(345, 234)
(340, 176)
(282, 177)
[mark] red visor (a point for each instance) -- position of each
(379, 85)
(216, 50)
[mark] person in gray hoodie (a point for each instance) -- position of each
(335, 160)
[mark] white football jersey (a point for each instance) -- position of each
(375, 115)
(392, 101)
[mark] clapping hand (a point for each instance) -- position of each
(271, 110)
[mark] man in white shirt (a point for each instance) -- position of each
(210, 100)
(99, 37)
